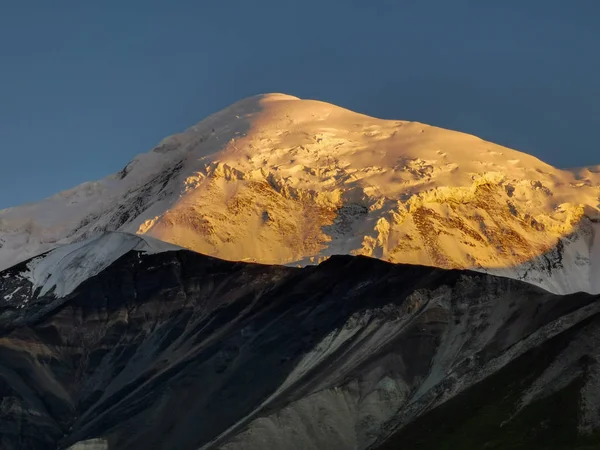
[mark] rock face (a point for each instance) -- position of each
(168, 349)
(91, 444)
(279, 180)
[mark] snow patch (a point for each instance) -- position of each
(10, 296)
(63, 269)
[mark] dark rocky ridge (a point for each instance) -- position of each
(178, 350)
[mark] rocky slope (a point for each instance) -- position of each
(150, 347)
(276, 179)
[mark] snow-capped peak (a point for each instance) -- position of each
(276, 179)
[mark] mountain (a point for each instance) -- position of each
(123, 343)
(279, 180)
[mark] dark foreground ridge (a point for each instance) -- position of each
(178, 350)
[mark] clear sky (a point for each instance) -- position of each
(85, 86)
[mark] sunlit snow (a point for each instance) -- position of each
(279, 180)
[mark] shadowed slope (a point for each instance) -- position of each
(180, 350)
(491, 414)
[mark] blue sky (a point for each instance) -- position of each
(85, 86)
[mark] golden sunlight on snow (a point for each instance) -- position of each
(309, 179)
(276, 179)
